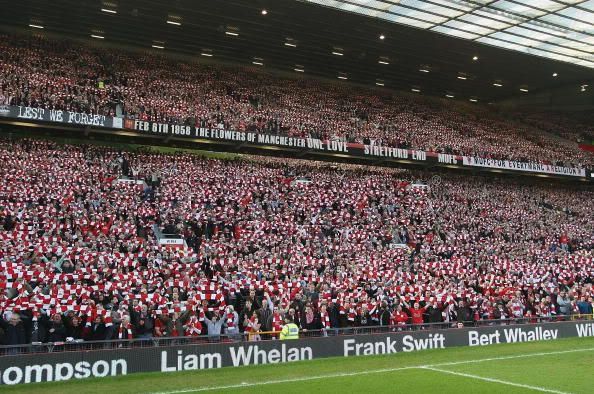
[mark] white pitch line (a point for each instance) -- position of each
(492, 380)
(292, 380)
(374, 371)
(512, 357)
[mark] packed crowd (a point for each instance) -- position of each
(66, 75)
(577, 126)
(325, 245)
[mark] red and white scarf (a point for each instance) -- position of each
(193, 327)
(125, 331)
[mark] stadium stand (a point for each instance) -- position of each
(576, 126)
(331, 245)
(37, 72)
(385, 194)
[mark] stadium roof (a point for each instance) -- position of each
(556, 29)
(305, 38)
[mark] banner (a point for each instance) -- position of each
(178, 242)
(59, 116)
(59, 366)
(341, 147)
(331, 146)
(521, 166)
(241, 139)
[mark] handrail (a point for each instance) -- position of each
(81, 345)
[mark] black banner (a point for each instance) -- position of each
(29, 368)
(59, 116)
(345, 149)
(253, 138)
(331, 148)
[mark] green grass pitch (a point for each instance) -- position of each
(563, 366)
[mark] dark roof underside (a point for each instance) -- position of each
(295, 34)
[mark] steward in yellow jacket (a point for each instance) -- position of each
(290, 330)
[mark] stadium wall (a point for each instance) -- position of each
(62, 366)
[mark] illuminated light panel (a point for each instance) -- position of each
(554, 29)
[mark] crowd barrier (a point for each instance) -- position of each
(113, 358)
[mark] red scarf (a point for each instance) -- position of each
(351, 315)
(277, 322)
(230, 320)
(325, 319)
(193, 328)
(125, 332)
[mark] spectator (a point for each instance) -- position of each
(56, 332)
(214, 326)
(434, 313)
(124, 329)
(265, 314)
(311, 320)
(399, 317)
(96, 330)
(585, 307)
(564, 303)
(163, 326)
(253, 328)
(192, 326)
(14, 331)
(232, 322)
(143, 322)
(416, 311)
(75, 330)
(464, 313)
